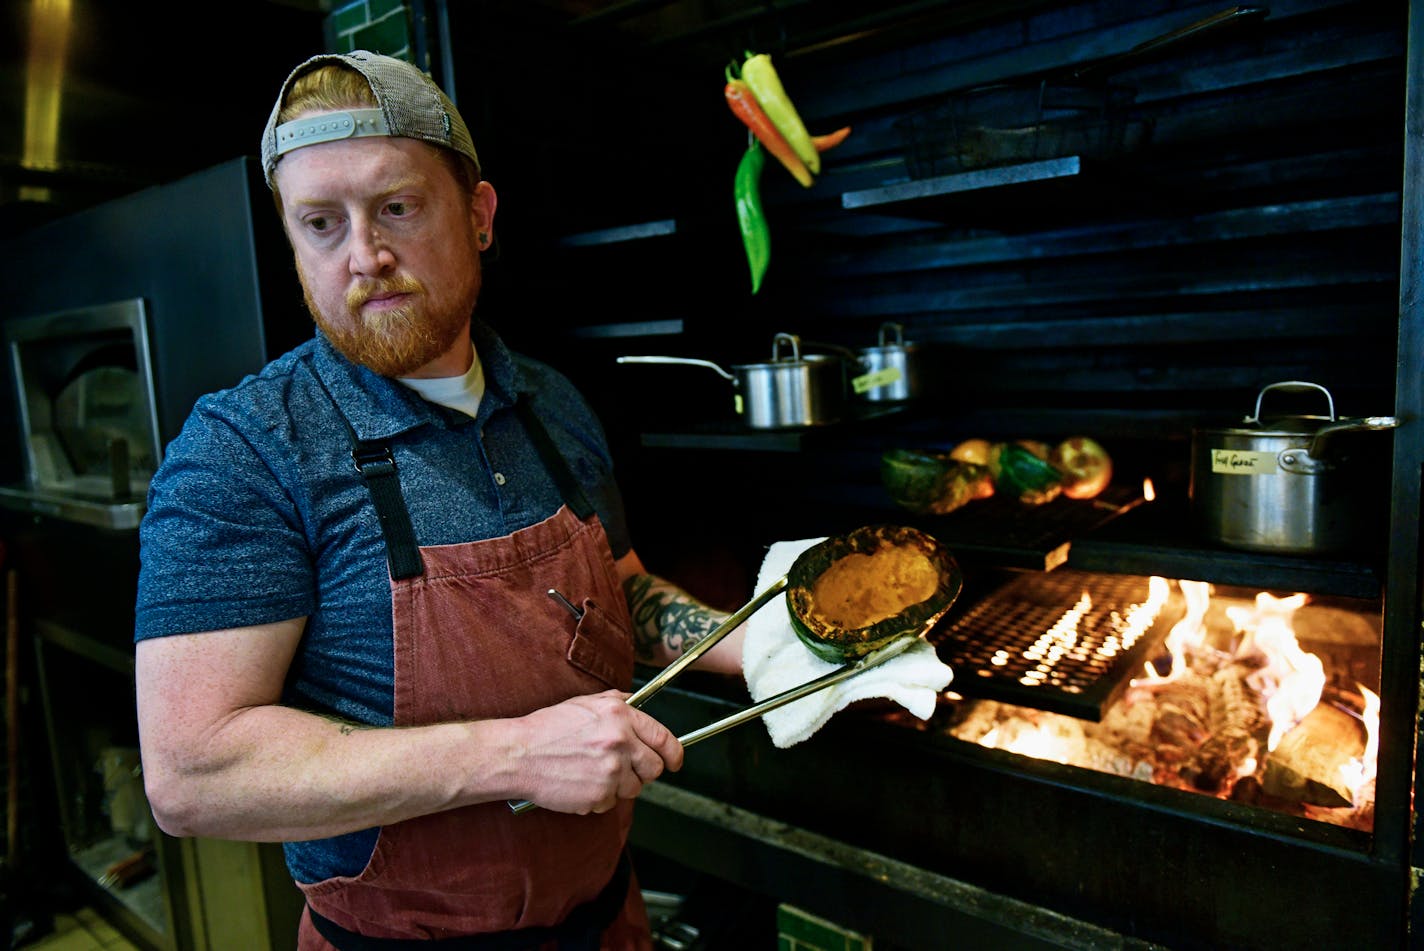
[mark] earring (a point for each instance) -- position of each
(483, 237)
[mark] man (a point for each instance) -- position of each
(386, 584)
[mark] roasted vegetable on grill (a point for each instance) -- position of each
(1020, 474)
(1086, 466)
(972, 450)
(854, 593)
(925, 481)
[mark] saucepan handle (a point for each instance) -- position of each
(685, 361)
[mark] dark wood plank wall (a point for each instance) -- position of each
(1253, 237)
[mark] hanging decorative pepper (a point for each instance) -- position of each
(745, 107)
(765, 84)
(756, 236)
(831, 139)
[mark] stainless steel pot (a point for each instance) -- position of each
(889, 372)
(1284, 485)
(791, 390)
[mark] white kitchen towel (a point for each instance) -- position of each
(774, 659)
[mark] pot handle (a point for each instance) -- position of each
(897, 328)
(686, 361)
(1291, 385)
(778, 340)
(1364, 423)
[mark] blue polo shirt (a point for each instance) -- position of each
(257, 515)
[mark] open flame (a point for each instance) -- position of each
(1292, 680)
(1237, 710)
(1359, 772)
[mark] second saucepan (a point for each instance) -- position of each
(890, 371)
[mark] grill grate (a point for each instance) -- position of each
(1066, 641)
(1037, 537)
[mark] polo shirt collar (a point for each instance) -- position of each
(379, 407)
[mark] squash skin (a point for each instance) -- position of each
(1020, 473)
(925, 481)
(840, 645)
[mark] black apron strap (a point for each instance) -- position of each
(377, 468)
(580, 931)
(554, 462)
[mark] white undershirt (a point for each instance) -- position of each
(460, 393)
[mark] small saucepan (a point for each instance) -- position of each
(791, 390)
(889, 372)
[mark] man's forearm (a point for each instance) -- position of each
(277, 774)
(667, 621)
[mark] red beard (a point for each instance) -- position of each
(397, 342)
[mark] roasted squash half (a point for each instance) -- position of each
(853, 593)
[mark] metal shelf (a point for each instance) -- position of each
(621, 234)
(735, 436)
(901, 195)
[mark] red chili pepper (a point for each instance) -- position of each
(830, 140)
(745, 107)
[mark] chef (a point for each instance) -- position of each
(387, 585)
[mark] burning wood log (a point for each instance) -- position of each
(1236, 720)
(1306, 766)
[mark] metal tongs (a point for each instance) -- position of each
(665, 676)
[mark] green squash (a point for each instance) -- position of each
(924, 481)
(854, 593)
(1019, 473)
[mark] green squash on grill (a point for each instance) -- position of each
(922, 480)
(854, 593)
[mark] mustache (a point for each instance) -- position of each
(399, 284)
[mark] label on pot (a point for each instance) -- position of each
(871, 381)
(1243, 462)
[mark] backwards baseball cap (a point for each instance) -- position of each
(409, 104)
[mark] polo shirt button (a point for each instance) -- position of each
(499, 478)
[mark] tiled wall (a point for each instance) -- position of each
(382, 26)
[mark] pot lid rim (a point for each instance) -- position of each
(1275, 426)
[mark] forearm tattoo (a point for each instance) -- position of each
(665, 615)
(343, 726)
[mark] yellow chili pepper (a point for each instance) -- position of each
(765, 84)
(744, 106)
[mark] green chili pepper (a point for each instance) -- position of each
(756, 236)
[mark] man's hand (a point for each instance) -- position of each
(587, 753)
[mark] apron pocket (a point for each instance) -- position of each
(602, 647)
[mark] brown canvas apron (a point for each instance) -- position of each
(477, 636)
